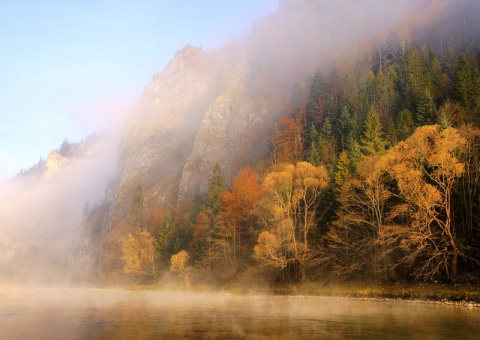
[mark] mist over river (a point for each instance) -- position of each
(118, 314)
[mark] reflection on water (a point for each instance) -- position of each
(114, 314)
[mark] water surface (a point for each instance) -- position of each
(116, 314)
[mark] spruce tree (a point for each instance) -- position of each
(426, 111)
(405, 124)
(216, 186)
(314, 153)
(345, 126)
(372, 141)
(354, 152)
(137, 211)
(343, 169)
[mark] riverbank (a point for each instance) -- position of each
(466, 295)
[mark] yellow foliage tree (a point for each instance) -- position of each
(425, 168)
(178, 264)
(138, 252)
(289, 211)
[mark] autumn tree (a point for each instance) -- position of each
(179, 264)
(292, 195)
(138, 249)
(288, 140)
(353, 238)
(237, 216)
(425, 168)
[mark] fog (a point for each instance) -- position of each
(116, 314)
(40, 213)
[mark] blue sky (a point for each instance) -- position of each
(68, 68)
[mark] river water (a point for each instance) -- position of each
(116, 314)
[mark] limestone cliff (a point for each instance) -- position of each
(217, 107)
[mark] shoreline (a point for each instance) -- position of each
(464, 296)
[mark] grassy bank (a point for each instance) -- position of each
(461, 294)
(465, 293)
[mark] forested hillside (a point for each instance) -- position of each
(372, 169)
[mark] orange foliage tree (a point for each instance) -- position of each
(288, 140)
(237, 219)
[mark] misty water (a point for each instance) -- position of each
(116, 314)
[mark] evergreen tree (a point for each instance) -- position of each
(445, 115)
(164, 239)
(327, 143)
(372, 141)
(426, 112)
(216, 186)
(65, 148)
(343, 169)
(354, 152)
(391, 132)
(314, 152)
(317, 99)
(345, 126)
(405, 124)
(467, 88)
(137, 212)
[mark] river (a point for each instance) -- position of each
(62, 313)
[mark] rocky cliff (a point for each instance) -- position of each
(197, 113)
(217, 107)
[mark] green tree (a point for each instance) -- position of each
(405, 124)
(426, 112)
(317, 100)
(164, 238)
(354, 151)
(136, 216)
(372, 141)
(343, 169)
(216, 187)
(467, 89)
(346, 126)
(314, 152)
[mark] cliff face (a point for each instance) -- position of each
(41, 208)
(217, 107)
(231, 134)
(195, 114)
(159, 135)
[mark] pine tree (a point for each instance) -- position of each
(216, 186)
(343, 169)
(137, 212)
(391, 132)
(314, 153)
(426, 111)
(445, 115)
(354, 152)
(327, 143)
(345, 126)
(317, 99)
(405, 124)
(372, 141)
